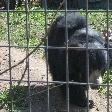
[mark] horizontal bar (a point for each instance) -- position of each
(55, 11)
(55, 82)
(52, 47)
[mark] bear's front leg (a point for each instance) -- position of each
(77, 95)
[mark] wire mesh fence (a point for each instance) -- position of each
(50, 57)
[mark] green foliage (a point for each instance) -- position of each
(107, 79)
(3, 27)
(3, 98)
(15, 97)
(23, 31)
(23, 27)
(98, 20)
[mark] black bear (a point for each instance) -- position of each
(75, 55)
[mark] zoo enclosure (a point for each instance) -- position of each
(27, 47)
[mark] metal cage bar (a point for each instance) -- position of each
(46, 50)
(67, 67)
(87, 56)
(107, 15)
(9, 48)
(27, 51)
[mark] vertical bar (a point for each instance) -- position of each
(67, 68)
(108, 72)
(27, 50)
(9, 55)
(46, 31)
(87, 56)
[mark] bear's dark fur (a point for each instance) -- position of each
(77, 63)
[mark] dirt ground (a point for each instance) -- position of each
(37, 70)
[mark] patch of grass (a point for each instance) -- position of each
(23, 31)
(107, 78)
(3, 26)
(98, 20)
(17, 98)
(23, 27)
